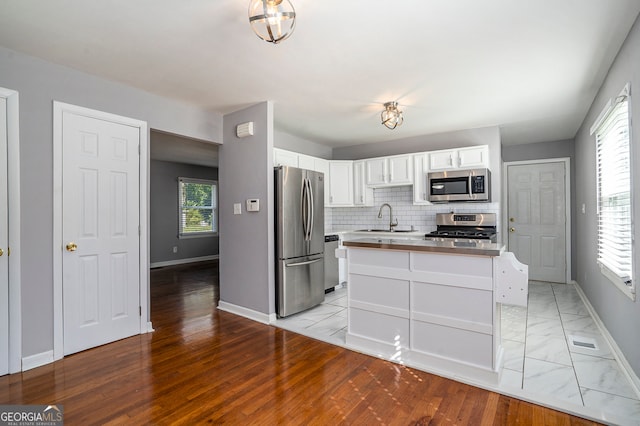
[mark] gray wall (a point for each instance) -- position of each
(163, 229)
(459, 139)
(247, 241)
(539, 151)
(544, 151)
(39, 83)
(620, 315)
(303, 146)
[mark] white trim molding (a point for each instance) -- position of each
(37, 360)
(58, 109)
(567, 184)
(13, 180)
(247, 313)
(617, 352)
(183, 261)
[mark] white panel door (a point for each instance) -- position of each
(4, 242)
(100, 185)
(537, 213)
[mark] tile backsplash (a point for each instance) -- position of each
(421, 218)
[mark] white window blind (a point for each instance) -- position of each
(197, 203)
(615, 232)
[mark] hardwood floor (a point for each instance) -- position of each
(204, 366)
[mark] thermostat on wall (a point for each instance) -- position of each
(253, 205)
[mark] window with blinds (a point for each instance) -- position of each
(197, 204)
(613, 159)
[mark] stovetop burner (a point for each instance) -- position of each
(468, 226)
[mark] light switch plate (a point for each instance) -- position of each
(253, 205)
(237, 208)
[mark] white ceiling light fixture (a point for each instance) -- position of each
(272, 20)
(391, 116)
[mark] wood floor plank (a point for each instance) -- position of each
(205, 366)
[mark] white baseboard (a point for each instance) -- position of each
(149, 328)
(183, 261)
(37, 360)
(246, 312)
(617, 352)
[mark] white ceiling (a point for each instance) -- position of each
(531, 67)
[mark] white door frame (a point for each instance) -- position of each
(567, 196)
(58, 323)
(13, 180)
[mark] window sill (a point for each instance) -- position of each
(198, 235)
(628, 291)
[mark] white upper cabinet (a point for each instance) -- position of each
(362, 194)
(340, 183)
(473, 157)
(283, 157)
(376, 171)
(306, 162)
(390, 171)
(420, 169)
(322, 165)
(461, 158)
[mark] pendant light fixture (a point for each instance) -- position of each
(272, 20)
(391, 116)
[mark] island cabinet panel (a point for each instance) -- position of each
(380, 327)
(383, 259)
(455, 303)
(480, 266)
(438, 308)
(453, 344)
(380, 291)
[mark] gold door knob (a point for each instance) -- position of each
(1, 252)
(72, 246)
(512, 229)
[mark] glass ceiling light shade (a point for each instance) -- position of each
(391, 116)
(272, 20)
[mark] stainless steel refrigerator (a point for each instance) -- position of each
(299, 231)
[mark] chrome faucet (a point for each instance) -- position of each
(391, 224)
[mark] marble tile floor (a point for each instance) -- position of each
(541, 361)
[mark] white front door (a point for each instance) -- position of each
(536, 211)
(100, 231)
(4, 243)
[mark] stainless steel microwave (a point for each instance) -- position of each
(459, 185)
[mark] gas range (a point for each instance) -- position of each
(466, 227)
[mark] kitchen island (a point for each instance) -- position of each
(433, 305)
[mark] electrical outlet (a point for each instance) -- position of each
(175, 249)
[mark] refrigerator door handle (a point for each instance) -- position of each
(308, 210)
(311, 209)
(303, 209)
(308, 262)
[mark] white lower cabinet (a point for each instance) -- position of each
(434, 311)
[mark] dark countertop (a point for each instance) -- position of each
(448, 247)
